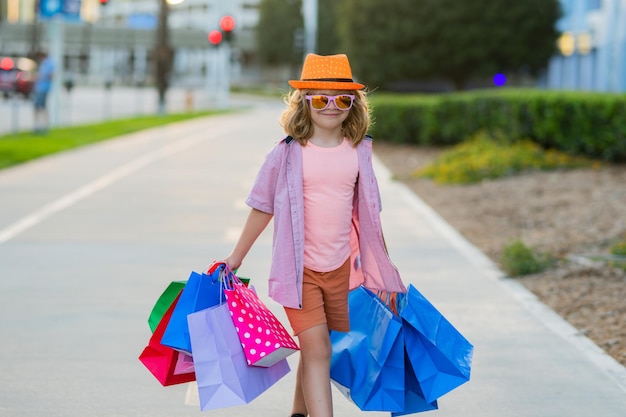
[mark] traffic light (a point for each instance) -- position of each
(104, 2)
(6, 64)
(215, 37)
(227, 25)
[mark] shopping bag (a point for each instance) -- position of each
(169, 366)
(224, 378)
(439, 354)
(367, 363)
(163, 303)
(200, 292)
(414, 401)
(264, 339)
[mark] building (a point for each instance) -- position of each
(592, 47)
(115, 42)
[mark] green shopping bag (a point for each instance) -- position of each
(164, 302)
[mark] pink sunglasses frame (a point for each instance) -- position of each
(331, 99)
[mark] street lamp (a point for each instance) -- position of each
(567, 44)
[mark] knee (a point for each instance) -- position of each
(315, 345)
(318, 352)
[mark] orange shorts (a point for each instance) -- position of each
(324, 300)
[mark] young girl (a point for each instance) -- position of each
(318, 185)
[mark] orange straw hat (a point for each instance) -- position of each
(331, 72)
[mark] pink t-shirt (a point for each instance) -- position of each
(329, 177)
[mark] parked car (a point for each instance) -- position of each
(17, 75)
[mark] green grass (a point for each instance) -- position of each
(25, 146)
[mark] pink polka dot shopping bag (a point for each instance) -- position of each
(264, 339)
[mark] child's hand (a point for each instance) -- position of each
(232, 262)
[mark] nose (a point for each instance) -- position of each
(333, 104)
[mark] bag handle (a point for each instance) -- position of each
(225, 274)
(394, 300)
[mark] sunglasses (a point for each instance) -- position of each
(322, 101)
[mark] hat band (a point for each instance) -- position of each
(340, 80)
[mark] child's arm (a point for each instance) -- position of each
(254, 226)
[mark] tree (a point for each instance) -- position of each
(398, 40)
(327, 33)
(281, 17)
(279, 21)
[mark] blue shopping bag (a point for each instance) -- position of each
(438, 352)
(201, 291)
(414, 401)
(370, 364)
(367, 362)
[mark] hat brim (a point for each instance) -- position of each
(325, 85)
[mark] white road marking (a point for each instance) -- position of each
(98, 184)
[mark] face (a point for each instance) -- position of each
(331, 117)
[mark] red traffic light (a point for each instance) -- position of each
(6, 64)
(227, 23)
(215, 37)
(104, 2)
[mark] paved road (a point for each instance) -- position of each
(90, 237)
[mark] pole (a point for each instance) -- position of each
(34, 35)
(163, 55)
(16, 112)
(224, 79)
(214, 54)
(309, 14)
(56, 35)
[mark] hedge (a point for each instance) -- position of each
(590, 124)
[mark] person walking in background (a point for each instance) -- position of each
(319, 186)
(43, 84)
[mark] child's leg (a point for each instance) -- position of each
(314, 373)
(299, 405)
(325, 306)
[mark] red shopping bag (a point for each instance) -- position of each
(169, 366)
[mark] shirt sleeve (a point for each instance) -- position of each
(262, 193)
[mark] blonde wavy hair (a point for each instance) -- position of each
(296, 118)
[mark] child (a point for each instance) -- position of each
(319, 186)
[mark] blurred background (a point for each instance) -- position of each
(398, 45)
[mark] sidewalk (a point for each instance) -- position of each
(89, 238)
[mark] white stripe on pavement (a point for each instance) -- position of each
(98, 184)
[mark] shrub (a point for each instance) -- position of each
(619, 248)
(579, 123)
(486, 156)
(518, 259)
